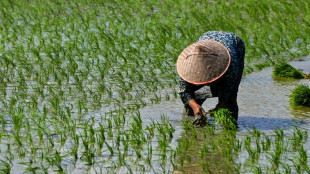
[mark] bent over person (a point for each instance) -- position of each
(211, 67)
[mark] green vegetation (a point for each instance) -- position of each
(284, 70)
(300, 96)
(279, 152)
(74, 74)
(224, 117)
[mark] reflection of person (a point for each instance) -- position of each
(211, 67)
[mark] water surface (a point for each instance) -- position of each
(263, 103)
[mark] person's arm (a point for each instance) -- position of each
(186, 92)
(197, 109)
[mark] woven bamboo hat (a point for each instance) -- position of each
(203, 62)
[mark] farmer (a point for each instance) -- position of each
(211, 67)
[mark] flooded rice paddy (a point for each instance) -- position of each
(271, 137)
(263, 104)
(91, 87)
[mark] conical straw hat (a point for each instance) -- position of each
(203, 62)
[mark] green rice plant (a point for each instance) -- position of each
(257, 169)
(298, 138)
(255, 132)
(258, 146)
(287, 168)
(307, 169)
(166, 127)
(30, 168)
(210, 129)
(224, 118)
(266, 144)
(55, 160)
(6, 166)
(213, 145)
(284, 70)
(237, 145)
(275, 156)
(150, 130)
(297, 166)
(300, 96)
(303, 157)
(279, 135)
(253, 153)
(204, 150)
(149, 154)
(89, 153)
(247, 142)
(236, 168)
(74, 152)
(68, 60)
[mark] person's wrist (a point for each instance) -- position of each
(192, 103)
(194, 106)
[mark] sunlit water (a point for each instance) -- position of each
(263, 103)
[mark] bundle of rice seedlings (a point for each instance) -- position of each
(284, 70)
(300, 96)
(223, 117)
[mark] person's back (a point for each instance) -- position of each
(220, 59)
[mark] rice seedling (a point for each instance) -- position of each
(223, 117)
(253, 153)
(255, 133)
(257, 170)
(300, 96)
(303, 157)
(298, 138)
(297, 166)
(63, 64)
(6, 166)
(287, 168)
(237, 145)
(284, 70)
(279, 135)
(275, 157)
(266, 144)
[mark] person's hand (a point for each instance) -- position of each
(197, 109)
(199, 113)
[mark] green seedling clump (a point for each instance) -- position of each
(224, 117)
(300, 96)
(284, 70)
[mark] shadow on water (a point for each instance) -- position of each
(268, 124)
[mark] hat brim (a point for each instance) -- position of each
(203, 65)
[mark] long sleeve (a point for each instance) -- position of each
(187, 91)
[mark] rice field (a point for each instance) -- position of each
(75, 74)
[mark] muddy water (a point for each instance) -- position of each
(263, 103)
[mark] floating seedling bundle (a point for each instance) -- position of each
(285, 70)
(300, 95)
